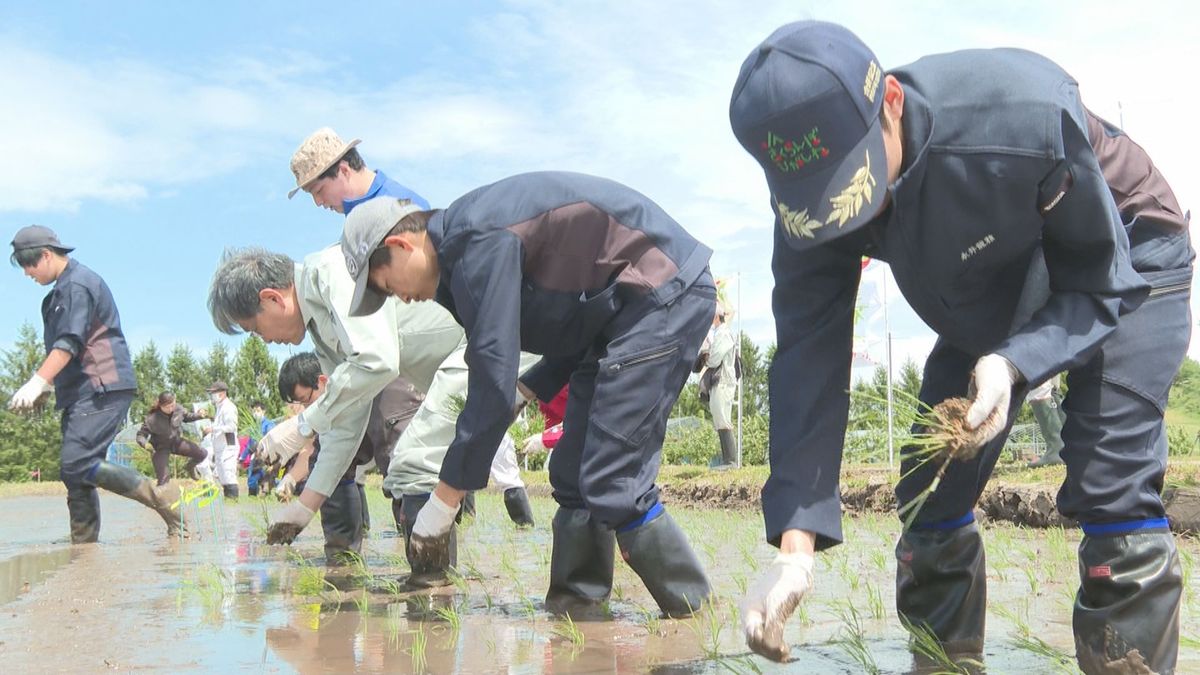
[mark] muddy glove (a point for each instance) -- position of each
(772, 599)
(991, 388)
(430, 541)
(282, 443)
(288, 522)
(30, 393)
(285, 489)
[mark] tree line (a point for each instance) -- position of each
(32, 442)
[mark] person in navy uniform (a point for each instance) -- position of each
(1034, 238)
(617, 297)
(87, 365)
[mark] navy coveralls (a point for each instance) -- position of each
(613, 293)
(1022, 225)
(97, 386)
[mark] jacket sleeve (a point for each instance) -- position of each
(143, 434)
(1092, 281)
(813, 303)
(369, 360)
(73, 327)
(486, 285)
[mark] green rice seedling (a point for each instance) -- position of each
(879, 559)
(1035, 645)
(529, 607)
(419, 643)
(650, 620)
(618, 592)
(394, 618)
(749, 559)
(739, 665)
(458, 581)
(569, 631)
(925, 643)
(363, 602)
(450, 615)
(707, 624)
(309, 582)
(740, 581)
(853, 639)
(803, 615)
(875, 602)
(1189, 641)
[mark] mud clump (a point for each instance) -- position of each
(283, 533)
(958, 441)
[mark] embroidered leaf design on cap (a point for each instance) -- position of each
(847, 203)
(797, 223)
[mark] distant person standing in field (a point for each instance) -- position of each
(87, 360)
(718, 379)
(256, 477)
(163, 429)
(1046, 403)
(224, 435)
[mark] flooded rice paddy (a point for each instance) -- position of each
(224, 600)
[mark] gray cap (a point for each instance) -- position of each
(33, 236)
(219, 385)
(365, 228)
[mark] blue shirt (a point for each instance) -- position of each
(384, 186)
(81, 318)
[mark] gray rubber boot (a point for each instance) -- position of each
(581, 563)
(1126, 615)
(83, 505)
(341, 521)
(728, 448)
(519, 510)
(660, 554)
(424, 574)
(941, 584)
(129, 483)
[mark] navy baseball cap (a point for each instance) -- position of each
(807, 106)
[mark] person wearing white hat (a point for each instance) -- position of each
(718, 380)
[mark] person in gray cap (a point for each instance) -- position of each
(224, 434)
(87, 360)
(1034, 238)
(616, 297)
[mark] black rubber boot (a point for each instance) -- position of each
(398, 516)
(231, 491)
(581, 563)
(519, 510)
(1126, 616)
(83, 505)
(129, 483)
(661, 555)
(941, 584)
(190, 469)
(341, 520)
(728, 449)
(424, 574)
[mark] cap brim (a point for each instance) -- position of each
(835, 201)
(366, 300)
(317, 174)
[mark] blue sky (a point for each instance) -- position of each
(152, 137)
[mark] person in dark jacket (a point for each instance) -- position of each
(1034, 238)
(87, 360)
(163, 429)
(616, 297)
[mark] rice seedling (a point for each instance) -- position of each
(309, 582)
(450, 615)
(875, 602)
(739, 665)
(529, 607)
(879, 559)
(1035, 645)
(707, 624)
(741, 582)
(1031, 575)
(569, 631)
(650, 620)
(853, 639)
(420, 642)
(1189, 641)
(924, 643)
(749, 560)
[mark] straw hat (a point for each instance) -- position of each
(316, 154)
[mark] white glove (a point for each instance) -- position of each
(430, 539)
(285, 489)
(282, 443)
(288, 522)
(29, 393)
(992, 382)
(772, 599)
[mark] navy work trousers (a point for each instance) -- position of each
(88, 427)
(620, 397)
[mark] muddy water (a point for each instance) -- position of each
(225, 601)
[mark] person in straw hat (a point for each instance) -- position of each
(334, 175)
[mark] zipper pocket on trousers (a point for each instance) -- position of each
(1171, 289)
(616, 367)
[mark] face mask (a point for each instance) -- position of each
(215, 398)
(257, 415)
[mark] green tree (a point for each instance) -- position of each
(185, 376)
(29, 442)
(754, 378)
(255, 377)
(216, 365)
(151, 375)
